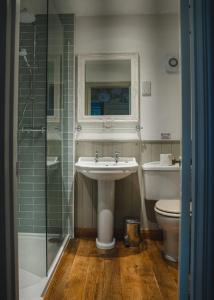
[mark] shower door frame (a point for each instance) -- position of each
(9, 32)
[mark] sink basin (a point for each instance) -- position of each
(106, 168)
(106, 171)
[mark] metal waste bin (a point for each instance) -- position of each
(132, 232)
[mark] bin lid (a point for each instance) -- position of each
(132, 221)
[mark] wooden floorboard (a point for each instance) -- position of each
(86, 273)
(165, 273)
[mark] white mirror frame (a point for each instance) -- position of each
(82, 59)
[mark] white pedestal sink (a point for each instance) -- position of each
(106, 171)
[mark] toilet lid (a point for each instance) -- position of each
(169, 206)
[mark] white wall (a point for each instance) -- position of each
(153, 37)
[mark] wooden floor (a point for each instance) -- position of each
(123, 273)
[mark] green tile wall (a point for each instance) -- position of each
(31, 146)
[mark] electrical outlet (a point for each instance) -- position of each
(146, 88)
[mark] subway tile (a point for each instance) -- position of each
(39, 200)
(39, 229)
(25, 187)
(54, 215)
(26, 229)
(26, 222)
(26, 207)
(40, 222)
(39, 186)
(34, 193)
(25, 201)
(25, 215)
(55, 223)
(54, 209)
(25, 157)
(39, 215)
(30, 179)
(39, 207)
(39, 172)
(54, 230)
(26, 172)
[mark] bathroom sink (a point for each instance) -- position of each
(106, 170)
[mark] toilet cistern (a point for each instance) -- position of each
(106, 170)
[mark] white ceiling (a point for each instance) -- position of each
(105, 7)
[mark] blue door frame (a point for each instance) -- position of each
(197, 85)
(202, 258)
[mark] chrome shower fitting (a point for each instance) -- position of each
(23, 53)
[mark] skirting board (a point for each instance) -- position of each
(155, 235)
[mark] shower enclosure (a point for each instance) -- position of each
(45, 141)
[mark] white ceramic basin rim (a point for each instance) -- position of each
(106, 168)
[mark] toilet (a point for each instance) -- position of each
(162, 184)
(168, 218)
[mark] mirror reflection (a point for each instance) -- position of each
(108, 87)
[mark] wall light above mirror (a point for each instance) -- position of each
(108, 87)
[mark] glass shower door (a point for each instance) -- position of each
(60, 66)
(54, 135)
(31, 141)
(45, 140)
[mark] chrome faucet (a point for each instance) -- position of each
(116, 156)
(96, 156)
(175, 161)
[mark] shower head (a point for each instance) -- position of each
(26, 17)
(23, 52)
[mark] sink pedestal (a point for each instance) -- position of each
(105, 214)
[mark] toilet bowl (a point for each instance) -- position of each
(168, 214)
(162, 184)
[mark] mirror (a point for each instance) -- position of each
(108, 87)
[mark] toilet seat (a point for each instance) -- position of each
(169, 208)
